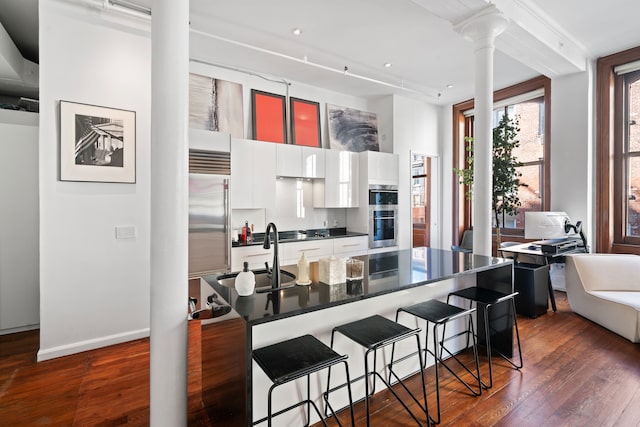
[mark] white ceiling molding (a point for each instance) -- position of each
(532, 37)
(14, 69)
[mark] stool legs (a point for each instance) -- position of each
(487, 330)
(309, 403)
(439, 347)
(488, 334)
(439, 360)
(326, 394)
(374, 373)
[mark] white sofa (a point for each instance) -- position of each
(605, 288)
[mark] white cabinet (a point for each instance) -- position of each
(313, 162)
(381, 168)
(313, 250)
(300, 162)
(288, 160)
(255, 255)
(350, 246)
(340, 186)
(253, 174)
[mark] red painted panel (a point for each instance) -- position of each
(269, 121)
(306, 123)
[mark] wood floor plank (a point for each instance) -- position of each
(576, 373)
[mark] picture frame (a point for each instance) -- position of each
(215, 105)
(305, 122)
(268, 117)
(97, 144)
(351, 129)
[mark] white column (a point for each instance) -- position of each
(169, 211)
(482, 29)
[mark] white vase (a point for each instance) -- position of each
(245, 281)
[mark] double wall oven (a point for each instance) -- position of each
(383, 216)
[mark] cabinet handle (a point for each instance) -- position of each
(309, 249)
(253, 255)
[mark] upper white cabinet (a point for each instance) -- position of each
(313, 162)
(340, 186)
(289, 160)
(300, 162)
(253, 174)
(381, 168)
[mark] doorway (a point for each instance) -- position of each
(421, 177)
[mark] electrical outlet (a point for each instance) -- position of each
(126, 232)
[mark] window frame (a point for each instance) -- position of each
(461, 127)
(610, 237)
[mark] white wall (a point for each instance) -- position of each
(415, 128)
(298, 90)
(94, 289)
(19, 288)
(383, 107)
(572, 147)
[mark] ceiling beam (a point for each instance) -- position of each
(537, 41)
(532, 37)
(14, 69)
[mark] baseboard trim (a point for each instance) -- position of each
(19, 329)
(77, 347)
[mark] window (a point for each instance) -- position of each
(618, 153)
(528, 103)
(530, 117)
(631, 157)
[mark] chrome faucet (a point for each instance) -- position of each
(275, 267)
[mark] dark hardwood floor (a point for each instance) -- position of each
(576, 374)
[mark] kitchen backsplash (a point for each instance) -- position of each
(294, 210)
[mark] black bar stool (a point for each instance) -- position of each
(296, 358)
(374, 333)
(490, 298)
(438, 313)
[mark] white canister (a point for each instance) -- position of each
(245, 281)
(303, 271)
(332, 270)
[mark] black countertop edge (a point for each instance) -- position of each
(288, 300)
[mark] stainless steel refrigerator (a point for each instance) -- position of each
(209, 221)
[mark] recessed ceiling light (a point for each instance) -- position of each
(296, 31)
(388, 64)
(449, 86)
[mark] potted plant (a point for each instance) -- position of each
(506, 178)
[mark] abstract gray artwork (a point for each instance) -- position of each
(215, 105)
(351, 129)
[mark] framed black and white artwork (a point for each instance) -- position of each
(97, 144)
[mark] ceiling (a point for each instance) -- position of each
(422, 40)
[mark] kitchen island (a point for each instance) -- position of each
(391, 280)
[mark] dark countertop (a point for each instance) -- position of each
(384, 273)
(302, 235)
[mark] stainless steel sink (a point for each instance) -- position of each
(263, 281)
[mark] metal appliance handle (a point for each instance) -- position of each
(227, 226)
